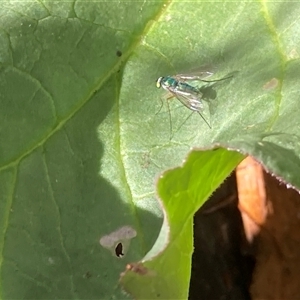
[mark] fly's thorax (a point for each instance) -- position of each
(167, 82)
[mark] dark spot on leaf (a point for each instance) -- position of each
(88, 275)
(119, 250)
(119, 53)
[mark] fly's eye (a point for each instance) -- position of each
(158, 82)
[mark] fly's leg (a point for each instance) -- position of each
(163, 99)
(184, 121)
(170, 118)
(203, 118)
(166, 99)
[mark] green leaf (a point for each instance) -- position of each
(60, 76)
(255, 111)
(166, 275)
(81, 138)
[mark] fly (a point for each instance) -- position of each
(190, 96)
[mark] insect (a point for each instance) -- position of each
(187, 93)
(190, 96)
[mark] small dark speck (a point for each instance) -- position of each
(119, 53)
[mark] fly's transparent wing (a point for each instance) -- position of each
(189, 100)
(192, 102)
(201, 76)
(194, 76)
(199, 73)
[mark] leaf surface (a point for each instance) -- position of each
(82, 141)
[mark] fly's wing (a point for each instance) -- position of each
(194, 76)
(189, 100)
(199, 73)
(192, 102)
(201, 76)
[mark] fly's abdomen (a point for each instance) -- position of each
(185, 87)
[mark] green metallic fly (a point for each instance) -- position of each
(189, 95)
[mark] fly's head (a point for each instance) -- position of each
(158, 82)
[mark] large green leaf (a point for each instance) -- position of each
(81, 142)
(59, 79)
